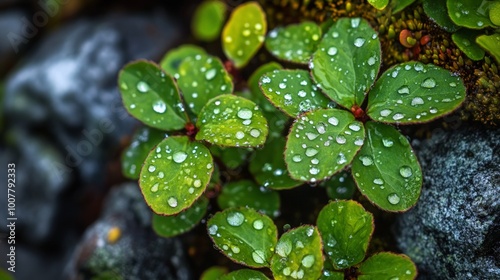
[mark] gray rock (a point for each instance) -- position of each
(64, 116)
(454, 231)
(122, 244)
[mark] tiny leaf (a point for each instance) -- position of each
(208, 20)
(244, 235)
(292, 91)
(168, 226)
(144, 139)
(246, 193)
(151, 96)
(340, 186)
(465, 39)
(413, 93)
(490, 44)
(387, 266)
(379, 4)
(295, 42)
(244, 274)
(321, 143)
(270, 170)
(347, 61)
(253, 84)
(244, 33)
(438, 12)
(172, 60)
(393, 185)
(298, 254)
(175, 174)
(201, 78)
(213, 273)
(346, 229)
(469, 13)
(233, 121)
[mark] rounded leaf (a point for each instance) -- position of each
(144, 139)
(465, 39)
(293, 92)
(321, 143)
(244, 235)
(438, 12)
(246, 193)
(490, 44)
(253, 84)
(244, 33)
(386, 169)
(208, 20)
(172, 60)
(295, 42)
(346, 229)
(175, 174)
(379, 4)
(168, 226)
(340, 186)
(298, 254)
(233, 121)
(151, 96)
(269, 169)
(470, 13)
(201, 78)
(245, 274)
(414, 93)
(347, 61)
(386, 265)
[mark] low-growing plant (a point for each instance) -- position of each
(197, 124)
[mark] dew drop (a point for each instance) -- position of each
(245, 114)
(282, 85)
(210, 74)
(235, 249)
(151, 168)
(297, 158)
(235, 219)
(240, 135)
(355, 22)
(258, 256)
(161, 175)
(179, 157)
(197, 183)
(393, 198)
(428, 83)
(302, 93)
(341, 139)
(159, 107)
(310, 152)
(172, 202)
(258, 224)
(397, 116)
(321, 128)
(341, 158)
(404, 90)
(359, 141)
(255, 133)
(354, 127)
(311, 136)
(359, 42)
(142, 87)
(284, 248)
(371, 61)
(378, 181)
(385, 112)
(387, 142)
(366, 160)
(417, 101)
(314, 171)
(433, 110)
(405, 171)
(154, 188)
(332, 51)
(333, 121)
(308, 261)
(286, 271)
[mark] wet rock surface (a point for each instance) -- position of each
(454, 231)
(122, 244)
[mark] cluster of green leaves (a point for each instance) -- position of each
(196, 124)
(475, 24)
(335, 246)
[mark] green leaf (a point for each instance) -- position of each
(329, 273)
(244, 33)
(298, 255)
(292, 91)
(253, 84)
(244, 235)
(399, 5)
(379, 4)
(246, 193)
(244, 274)
(495, 13)
(172, 60)
(208, 20)
(295, 42)
(469, 13)
(269, 169)
(213, 273)
(151, 96)
(414, 93)
(346, 229)
(490, 44)
(201, 78)
(231, 157)
(133, 156)
(169, 226)
(175, 174)
(386, 265)
(465, 39)
(340, 186)
(347, 61)
(438, 12)
(232, 121)
(321, 143)
(393, 185)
